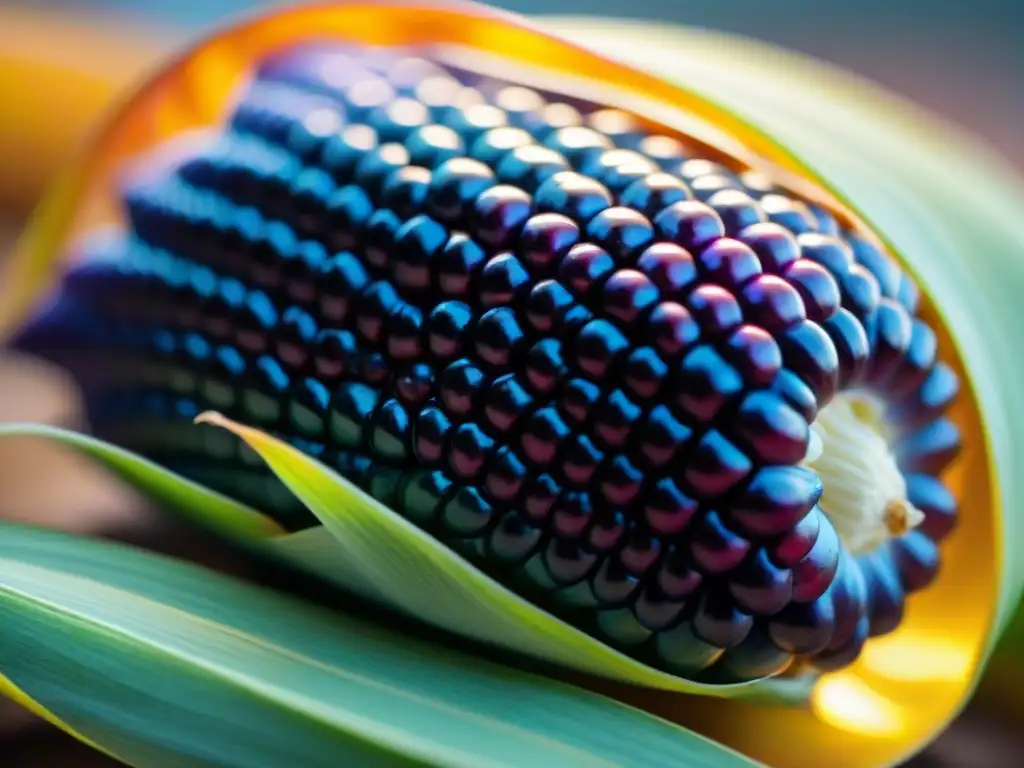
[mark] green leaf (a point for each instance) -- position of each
(206, 507)
(162, 663)
(383, 557)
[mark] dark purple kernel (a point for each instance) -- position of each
(663, 150)
(771, 431)
(495, 145)
(577, 400)
(342, 150)
(351, 410)
(459, 387)
(311, 190)
(672, 329)
(715, 466)
(760, 587)
(598, 347)
(804, 628)
(612, 584)
(796, 393)
(916, 558)
(619, 126)
(307, 408)
(541, 493)
(619, 627)
(514, 539)
(505, 476)
(705, 383)
(891, 331)
(930, 401)
(347, 216)
(424, 494)
(415, 385)
(755, 354)
(719, 621)
(714, 547)
(628, 294)
(710, 184)
(581, 460)
(503, 280)
(772, 303)
(880, 264)
(545, 366)
(671, 268)
(608, 532)
(458, 265)
(917, 364)
(930, 450)
(379, 237)
(729, 263)
(620, 482)
(667, 510)
(473, 120)
(499, 215)
(390, 433)
(829, 251)
(654, 193)
(852, 348)
(757, 657)
(622, 232)
(528, 166)
(454, 187)
(430, 435)
(614, 419)
(775, 500)
(546, 239)
(789, 213)
(644, 373)
(469, 449)
(845, 654)
(641, 552)
(661, 437)
(794, 545)
(467, 513)
(498, 337)
(506, 403)
(333, 352)
(585, 267)
(935, 501)
(849, 600)
(578, 144)
(860, 291)
(405, 191)
(579, 197)
(544, 434)
(447, 327)
(682, 650)
(885, 593)
(776, 248)
(430, 146)
(676, 577)
(405, 334)
(737, 209)
(573, 515)
(377, 164)
(655, 611)
(617, 169)
(547, 305)
(568, 562)
(690, 225)
(715, 309)
(808, 351)
(817, 288)
(294, 338)
(816, 571)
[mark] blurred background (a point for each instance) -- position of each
(64, 62)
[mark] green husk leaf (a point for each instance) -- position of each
(202, 505)
(385, 558)
(161, 663)
(373, 552)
